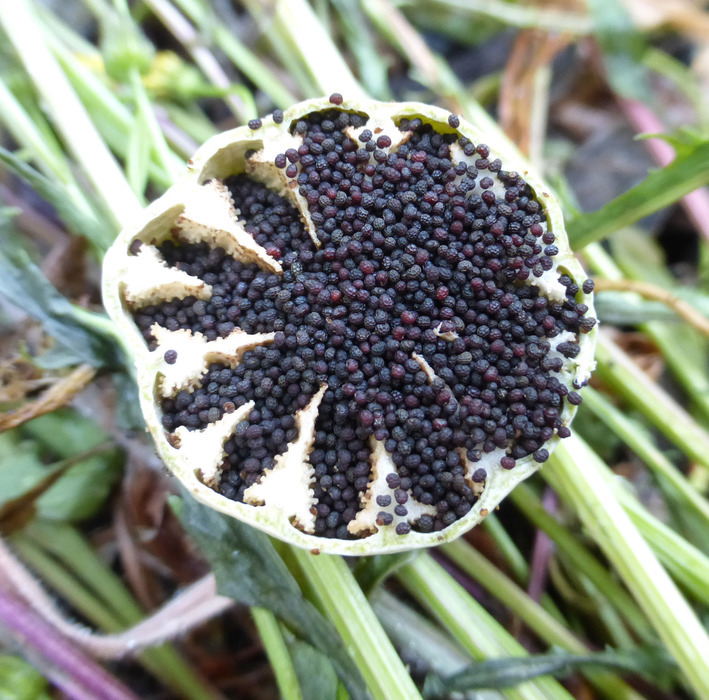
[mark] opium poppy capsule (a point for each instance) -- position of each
(356, 325)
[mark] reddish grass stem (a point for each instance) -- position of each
(73, 672)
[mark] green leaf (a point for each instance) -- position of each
(623, 309)
(623, 48)
(249, 570)
(20, 681)
(316, 676)
(659, 189)
(77, 219)
(20, 464)
(82, 491)
(65, 432)
(16, 513)
(683, 140)
(78, 494)
(25, 285)
(509, 672)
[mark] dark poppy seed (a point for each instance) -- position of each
(336, 98)
(384, 518)
(417, 256)
(454, 121)
(277, 116)
(170, 357)
(574, 398)
(541, 455)
(403, 529)
(255, 124)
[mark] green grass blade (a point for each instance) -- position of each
(297, 24)
(584, 562)
(572, 470)
(45, 152)
(242, 57)
(248, 569)
(659, 189)
(638, 440)
(71, 119)
(636, 387)
(162, 661)
(418, 637)
(515, 14)
(688, 565)
(503, 673)
(481, 635)
(277, 652)
(540, 622)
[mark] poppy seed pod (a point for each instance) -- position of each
(356, 325)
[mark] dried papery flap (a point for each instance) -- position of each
(193, 353)
(287, 487)
(209, 217)
(149, 280)
(373, 515)
(202, 451)
(356, 327)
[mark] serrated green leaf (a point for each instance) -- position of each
(25, 285)
(249, 570)
(509, 672)
(82, 491)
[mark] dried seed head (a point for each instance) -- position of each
(356, 328)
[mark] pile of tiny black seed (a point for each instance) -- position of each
(412, 247)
